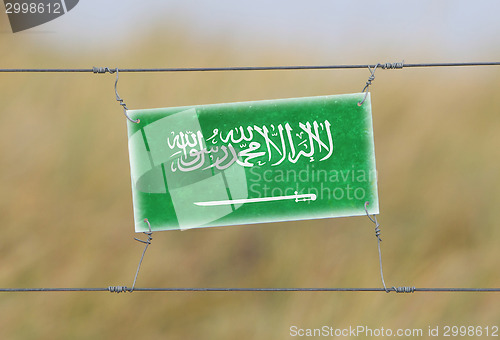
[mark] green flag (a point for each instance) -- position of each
(252, 162)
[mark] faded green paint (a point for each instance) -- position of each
(252, 162)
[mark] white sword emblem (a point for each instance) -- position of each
(296, 197)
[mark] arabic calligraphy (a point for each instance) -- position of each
(250, 146)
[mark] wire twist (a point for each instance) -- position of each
(122, 289)
(102, 70)
(120, 100)
(368, 83)
(377, 234)
(371, 78)
(389, 66)
(374, 220)
(379, 239)
(404, 289)
(117, 289)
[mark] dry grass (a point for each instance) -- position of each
(66, 211)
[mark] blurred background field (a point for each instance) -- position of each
(66, 209)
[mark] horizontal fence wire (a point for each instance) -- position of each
(247, 68)
(125, 289)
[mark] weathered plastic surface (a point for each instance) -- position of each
(252, 162)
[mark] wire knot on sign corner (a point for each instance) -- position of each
(122, 289)
(147, 243)
(371, 78)
(102, 70)
(373, 219)
(368, 83)
(148, 233)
